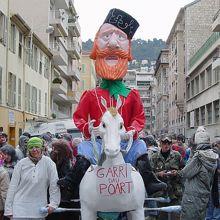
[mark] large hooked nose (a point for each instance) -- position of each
(113, 42)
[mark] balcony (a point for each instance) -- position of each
(74, 27)
(58, 19)
(57, 88)
(62, 4)
(73, 96)
(216, 22)
(73, 50)
(205, 47)
(74, 72)
(215, 63)
(60, 57)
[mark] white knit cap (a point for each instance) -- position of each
(202, 136)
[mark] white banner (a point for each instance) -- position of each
(115, 180)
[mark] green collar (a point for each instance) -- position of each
(115, 88)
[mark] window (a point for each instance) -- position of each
(188, 91)
(46, 67)
(83, 68)
(216, 74)
(209, 75)
(12, 38)
(197, 117)
(39, 102)
(20, 45)
(34, 100)
(27, 97)
(203, 115)
(35, 58)
(11, 90)
(216, 111)
(192, 88)
(41, 63)
(3, 28)
(19, 93)
(197, 84)
(0, 84)
(28, 52)
(45, 104)
(202, 80)
(209, 113)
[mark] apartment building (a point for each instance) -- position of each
(190, 30)
(162, 101)
(144, 82)
(88, 75)
(64, 43)
(24, 81)
(203, 84)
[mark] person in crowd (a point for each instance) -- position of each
(21, 149)
(180, 147)
(167, 163)
(198, 175)
(10, 158)
(152, 148)
(67, 137)
(60, 155)
(4, 184)
(111, 52)
(27, 134)
(31, 178)
(213, 210)
(3, 139)
(47, 143)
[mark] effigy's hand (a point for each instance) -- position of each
(127, 135)
(94, 130)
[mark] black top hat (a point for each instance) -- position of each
(123, 21)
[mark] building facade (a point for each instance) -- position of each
(190, 30)
(88, 75)
(203, 85)
(64, 43)
(24, 83)
(162, 101)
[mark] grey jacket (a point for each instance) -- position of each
(199, 172)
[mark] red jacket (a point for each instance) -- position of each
(90, 108)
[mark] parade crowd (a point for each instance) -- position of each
(29, 174)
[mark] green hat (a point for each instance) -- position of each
(34, 142)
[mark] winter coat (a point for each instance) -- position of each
(198, 175)
(21, 149)
(28, 188)
(173, 162)
(4, 184)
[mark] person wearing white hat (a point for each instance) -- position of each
(198, 175)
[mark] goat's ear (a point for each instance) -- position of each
(104, 103)
(119, 103)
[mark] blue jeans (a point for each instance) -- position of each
(212, 213)
(138, 148)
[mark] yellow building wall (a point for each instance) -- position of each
(12, 122)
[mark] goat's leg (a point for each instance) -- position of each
(136, 214)
(87, 213)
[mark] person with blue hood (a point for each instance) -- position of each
(21, 149)
(198, 175)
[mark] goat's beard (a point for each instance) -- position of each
(105, 71)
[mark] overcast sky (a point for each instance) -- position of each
(156, 17)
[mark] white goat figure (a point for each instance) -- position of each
(114, 186)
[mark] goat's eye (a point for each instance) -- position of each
(103, 125)
(121, 126)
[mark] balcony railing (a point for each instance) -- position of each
(207, 45)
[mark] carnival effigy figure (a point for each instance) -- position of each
(111, 52)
